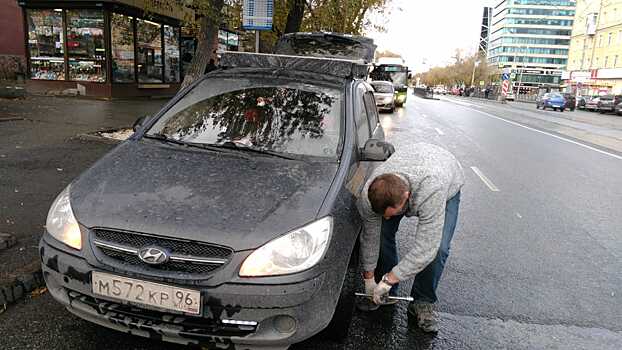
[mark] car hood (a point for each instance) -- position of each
(143, 186)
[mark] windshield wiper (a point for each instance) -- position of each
(233, 145)
(209, 147)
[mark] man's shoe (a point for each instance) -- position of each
(427, 319)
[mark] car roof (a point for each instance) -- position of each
(381, 82)
(341, 68)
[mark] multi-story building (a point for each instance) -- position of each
(595, 57)
(532, 38)
(484, 36)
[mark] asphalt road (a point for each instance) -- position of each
(535, 261)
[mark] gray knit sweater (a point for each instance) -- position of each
(434, 176)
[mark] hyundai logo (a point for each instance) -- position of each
(153, 255)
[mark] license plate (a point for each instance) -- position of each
(147, 293)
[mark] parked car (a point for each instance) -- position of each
(592, 103)
(608, 103)
(571, 101)
(228, 219)
(553, 100)
(581, 102)
(619, 109)
(384, 93)
(509, 96)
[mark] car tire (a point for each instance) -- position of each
(537, 106)
(554, 109)
(339, 326)
(561, 109)
(601, 112)
(572, 109)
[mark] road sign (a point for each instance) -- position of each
(505, 87)
(482, 83)
(513, 76)
(505, 76)
(257, 14)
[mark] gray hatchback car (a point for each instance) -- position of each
(228, 219)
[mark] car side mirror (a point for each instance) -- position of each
(140, 122)
(376, 150)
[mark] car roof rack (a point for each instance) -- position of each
(330, 66)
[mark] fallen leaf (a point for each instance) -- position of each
(38, 292)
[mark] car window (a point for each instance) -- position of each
(360, 116)
(277, 115)
(382, 88)
(372, 110)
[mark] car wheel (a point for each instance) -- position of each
(561, 109)
(601, 112)
(554, 109)
(339, 326)
(572, 109)
(537, 106)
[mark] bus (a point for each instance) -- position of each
(395, 71)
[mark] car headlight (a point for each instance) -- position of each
(291, 253)
(61, 223)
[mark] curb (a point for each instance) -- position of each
(22, 285)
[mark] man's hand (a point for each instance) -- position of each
(381, 292)
(370, 285)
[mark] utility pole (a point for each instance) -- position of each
(475, 64)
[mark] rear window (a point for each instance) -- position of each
(276, 115)
(606, 97)
(383, 88)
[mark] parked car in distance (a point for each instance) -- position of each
(227, 220)
(592, 103)
(571, 101)
(384, 93)
(608, 103)
(619, 108)
(553, 100)
(581, 101)
(509, 96)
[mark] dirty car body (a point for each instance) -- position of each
(228, 219)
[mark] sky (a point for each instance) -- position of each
(427, 32)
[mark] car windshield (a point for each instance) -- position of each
(383, 88)
(276, 116)
(555, 95)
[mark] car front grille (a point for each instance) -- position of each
(189, 257)
(192, 326)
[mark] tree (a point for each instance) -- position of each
(460, 72)
(341, 16)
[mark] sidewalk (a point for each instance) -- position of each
(604, 130)
(39, 156)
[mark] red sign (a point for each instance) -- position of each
(505, 87)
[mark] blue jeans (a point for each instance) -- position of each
(426, 281)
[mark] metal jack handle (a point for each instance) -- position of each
(410, 299)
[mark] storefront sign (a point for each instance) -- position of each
(257, 14)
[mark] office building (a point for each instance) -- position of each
(532, 38)
(485, 32)
(595, 57)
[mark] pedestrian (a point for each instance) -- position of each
(486, 92)
(423, 181)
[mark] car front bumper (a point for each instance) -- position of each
(606, 108)
(284, 314)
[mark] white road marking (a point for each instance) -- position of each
(519, 216)
(549, 134)
(484, 179)
(439, 131)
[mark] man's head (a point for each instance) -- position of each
(388, 195)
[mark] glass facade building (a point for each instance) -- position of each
(110, 48)
(532, 38)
